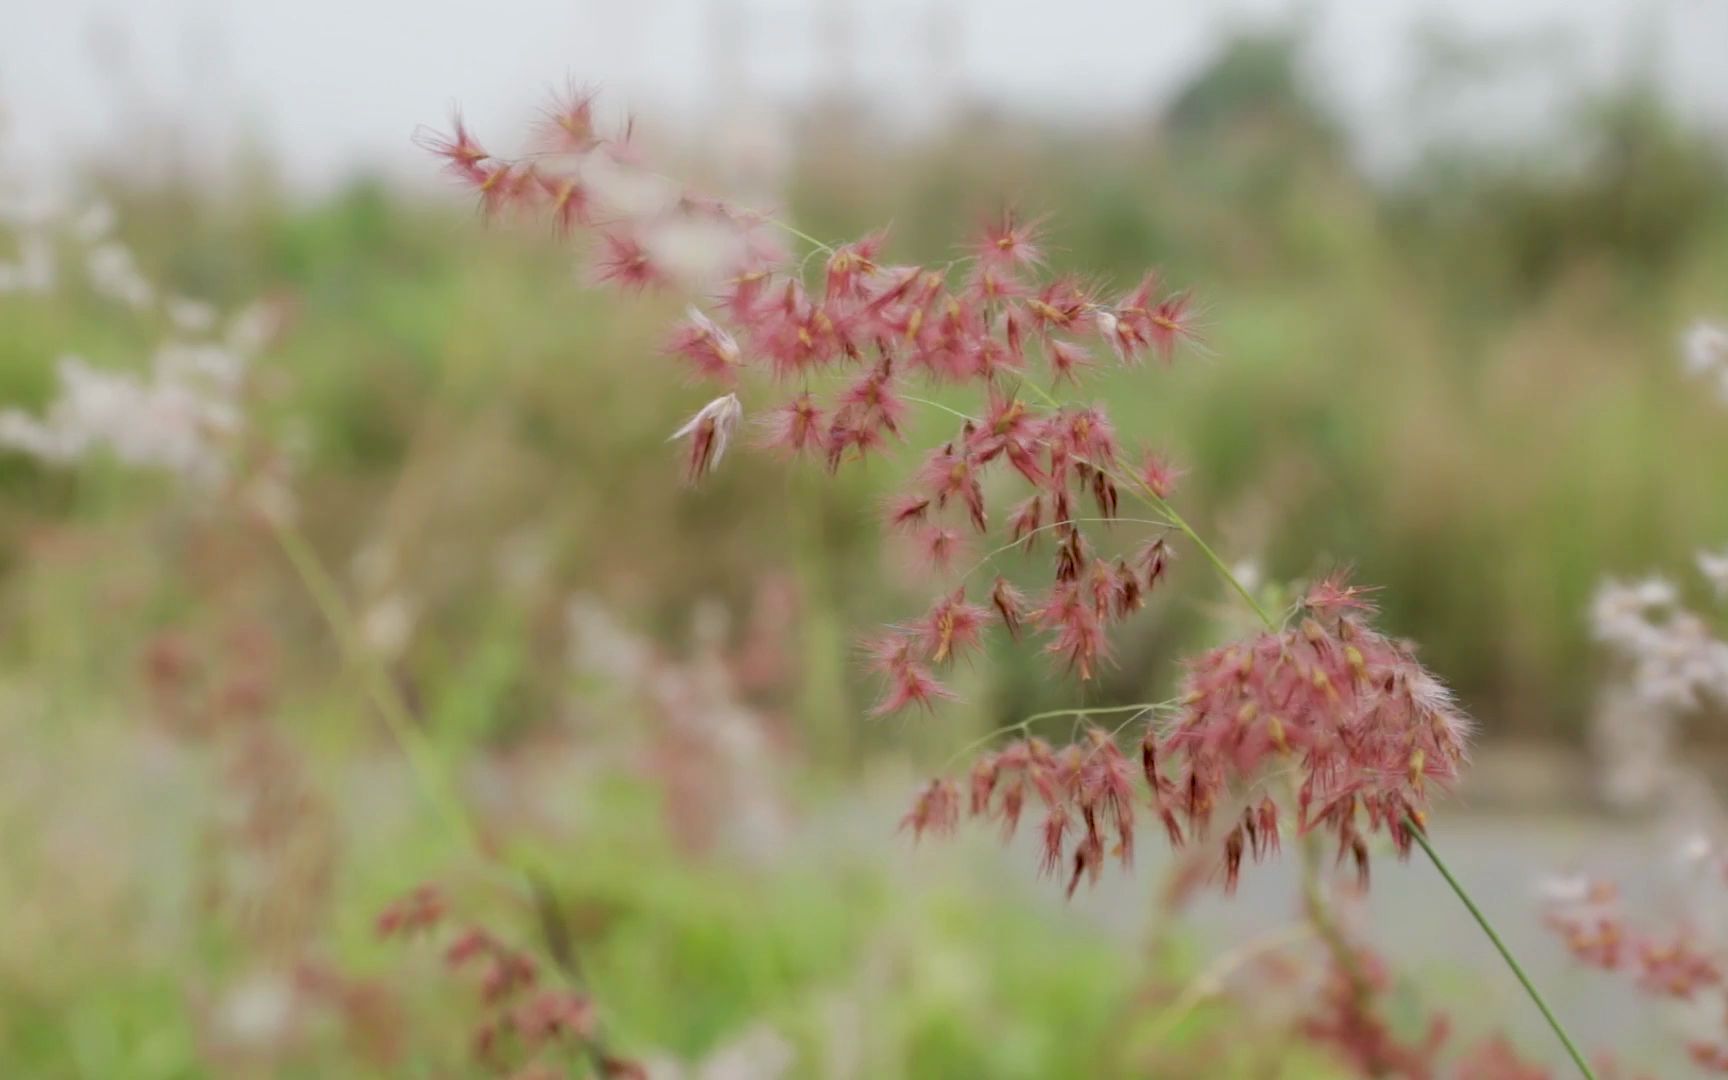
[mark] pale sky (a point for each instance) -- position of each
(332, 85)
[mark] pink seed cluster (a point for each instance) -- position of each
(1085, 793)
(1361, 1012)
(520, 1023)
(1683, 965)
(1328, 718)
(840, 352)
(834, 352)
(1365, 726)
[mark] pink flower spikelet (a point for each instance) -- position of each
(1680, 963)
(1367, 728)
(837, 349)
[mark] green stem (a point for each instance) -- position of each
(422, 757)
(1320, 918)
(1218, 563)
(1100, 710)
(1210, 981)
(950, 410)
(1505, 953)
(793, 230)
(1026, 723)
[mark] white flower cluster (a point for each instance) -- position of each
(1677, 662)
(759, 1053)
(1704, 353)
(1673, 665)
(183, 414)
(1673, 661)
(174, 419)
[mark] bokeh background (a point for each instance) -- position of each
(1446, 253)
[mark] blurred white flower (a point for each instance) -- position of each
(1563, 889)
(387, 625)
(761, 1053)
(1621, 614)
(114, 274)
(1695, 849)
(251, 328)
(1247, 571)
(710, 432)
(625, 191)
(698, 252)
(599, 646)
(177, 420)
(1704, 348)
(1632, 743)
(192, 316)
(256, 1013)
(1672, 663)
(1714, 567)
(183, 414)
(95, 223)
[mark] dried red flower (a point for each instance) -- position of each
(710, 432)
(711, 351)
(952, 628)
(937, 809)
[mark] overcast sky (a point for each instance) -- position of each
(333, 85)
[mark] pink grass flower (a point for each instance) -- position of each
(1010, 605)
(795, 427)
(568, 201)
(950, 475)
(710, 432)
(623, 260)
(940, 547)
(851, 267)
(909, 682)
(1026, 520)
(1158, 474)
(1008, 243)
(712, 352)
(937, 809)
(463, 155)
(1368, 729)
(1068, 362)
(952, 628)
(1076, 632)
(1061, 306)
(568, 126)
